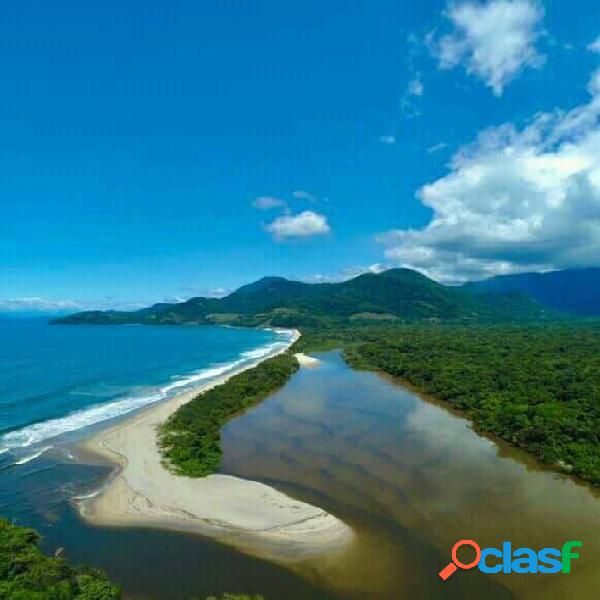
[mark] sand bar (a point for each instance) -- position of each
(307, 361)
(247, 514)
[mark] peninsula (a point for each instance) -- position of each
(252, 516)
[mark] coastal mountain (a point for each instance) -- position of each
(394, 295)
(575, 291)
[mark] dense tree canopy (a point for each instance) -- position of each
(28, 574)
(394, 295)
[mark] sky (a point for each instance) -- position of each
(155, 151)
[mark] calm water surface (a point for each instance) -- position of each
(412, 479)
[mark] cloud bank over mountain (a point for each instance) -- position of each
(515, 200)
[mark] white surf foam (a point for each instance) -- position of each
(209, 373)
(92, 494)
(26, 459)
(40, 432)
(263, 350)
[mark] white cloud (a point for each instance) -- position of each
(302, 195)
(345, 274)
(436, 148)
(514, 201)
(594, 46)
(494, 41)
(267, 202)
(193, 291)
(389, 140)
(304, 224)
(174, 299)
(218, 292)
(415, 87)
(37, 304)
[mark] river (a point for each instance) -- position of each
(412, 478)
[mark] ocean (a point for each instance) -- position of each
(58, 381)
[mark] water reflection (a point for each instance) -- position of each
(411, 478)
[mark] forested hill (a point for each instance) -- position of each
(398, 295)
(575, 291)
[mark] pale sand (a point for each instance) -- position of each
(307, 361)
(247, 514)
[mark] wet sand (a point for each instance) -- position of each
(304, 360)
(249, 515)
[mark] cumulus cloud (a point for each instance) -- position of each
(345, 274)
(267, 202)
(194, 291)
(37, 304)
(302, 195)
(302, 225)
(594, 46)
(388, 140)
(516, 200)
(415, 87)
(436, 148)
(174, 299)
(494, 41)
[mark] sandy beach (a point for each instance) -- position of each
(307, 361)
(247, 514)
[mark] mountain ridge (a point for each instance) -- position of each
(395, 294)
(572, 291)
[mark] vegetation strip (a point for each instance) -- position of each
(191, 438)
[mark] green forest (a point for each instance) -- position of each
(396, 295)
(191, 438)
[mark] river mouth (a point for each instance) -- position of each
(411, 478)
(407, 474)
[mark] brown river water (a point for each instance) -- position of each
(412, 478)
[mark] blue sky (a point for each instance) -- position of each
(154, 150)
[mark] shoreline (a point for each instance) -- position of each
(304, 360)
(249, 515)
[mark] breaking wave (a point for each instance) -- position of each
(38, 433)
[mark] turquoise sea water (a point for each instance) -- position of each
(58, 381)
